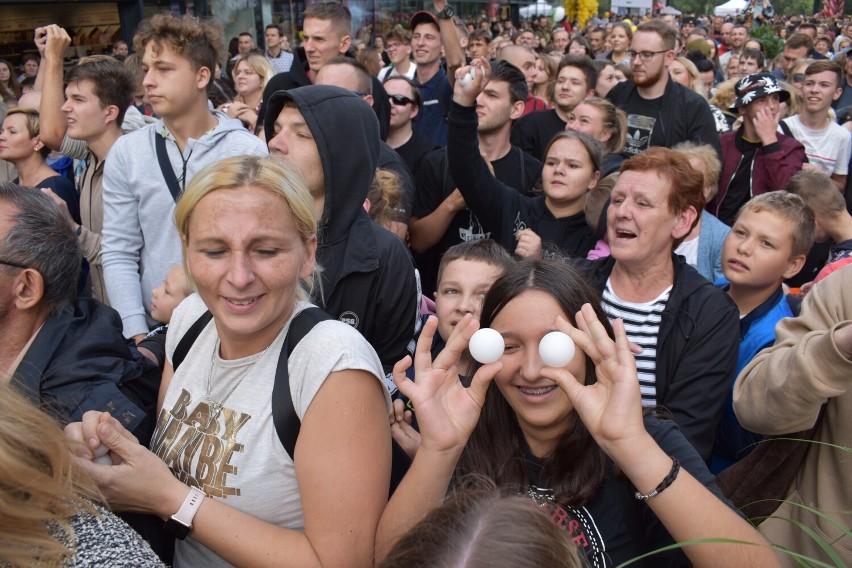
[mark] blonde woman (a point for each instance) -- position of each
(49, 511)
(684, 71)
(251, 74)
(249, 238)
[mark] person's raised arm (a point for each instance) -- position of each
(55, 41)
(447, 413)
(611, 410)
(450, 39)
(783, 388)
(489, 198)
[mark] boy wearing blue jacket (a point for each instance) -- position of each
(767, 245)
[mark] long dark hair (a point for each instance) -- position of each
(497, 448)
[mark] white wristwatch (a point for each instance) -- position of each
(180, 524)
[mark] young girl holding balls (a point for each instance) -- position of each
(573, 438)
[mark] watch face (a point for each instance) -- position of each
(177, 529)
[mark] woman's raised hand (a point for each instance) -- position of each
(447, 412)
(611, 408)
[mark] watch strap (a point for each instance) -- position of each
(447, 13)
(190, 507)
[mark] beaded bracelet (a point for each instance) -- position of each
(668, 480)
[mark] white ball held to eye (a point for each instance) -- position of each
(486, 345)
(556, 349)
(101, 454)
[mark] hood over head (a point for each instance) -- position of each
(346, 132)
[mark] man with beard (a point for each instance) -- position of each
(575, 80)
(659, 111)
(524, 59)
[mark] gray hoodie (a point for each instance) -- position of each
(140, 241)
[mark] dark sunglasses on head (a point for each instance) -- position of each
(400, 100)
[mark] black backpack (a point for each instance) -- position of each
(287, 423)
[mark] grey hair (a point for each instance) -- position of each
(42, 240)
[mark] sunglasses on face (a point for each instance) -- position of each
(400, 100)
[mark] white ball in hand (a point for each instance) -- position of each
(556, 349)
(101, 454)
(486, 345)
(468, 77)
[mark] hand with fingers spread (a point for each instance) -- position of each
(447, 412)
(610, 408)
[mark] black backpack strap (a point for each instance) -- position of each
(166, 167)
(185, 343)
(287, 423)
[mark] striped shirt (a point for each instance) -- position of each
(642, 324)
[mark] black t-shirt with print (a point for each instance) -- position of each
(434, 184)
(643, 117)
(607, 529)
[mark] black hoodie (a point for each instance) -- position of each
(367, 275)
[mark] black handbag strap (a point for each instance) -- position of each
(166, 167)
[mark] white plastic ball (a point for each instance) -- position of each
(101, 455)
(467, 78)
(556, 349)
(486, 345)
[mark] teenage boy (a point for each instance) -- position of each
(83, 123)
(660, 112)
(440, 218)
(149, 168)
(767, 245)
(832, 218)
(398, 47)
(478, 43)
(576, 78)
(751, 61)
(331, 136)
(756, 158)
(430, 36)
(827, 144)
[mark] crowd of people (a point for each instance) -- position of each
(245, 285)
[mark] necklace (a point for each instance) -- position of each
(216, 406)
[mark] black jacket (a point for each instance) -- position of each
(297, 76)
(684, 115)
(697, 350)
(80, 361)
(367, 276)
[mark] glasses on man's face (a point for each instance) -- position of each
(14, 264)
(400, 100)
(393, 46)
(644, 55)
